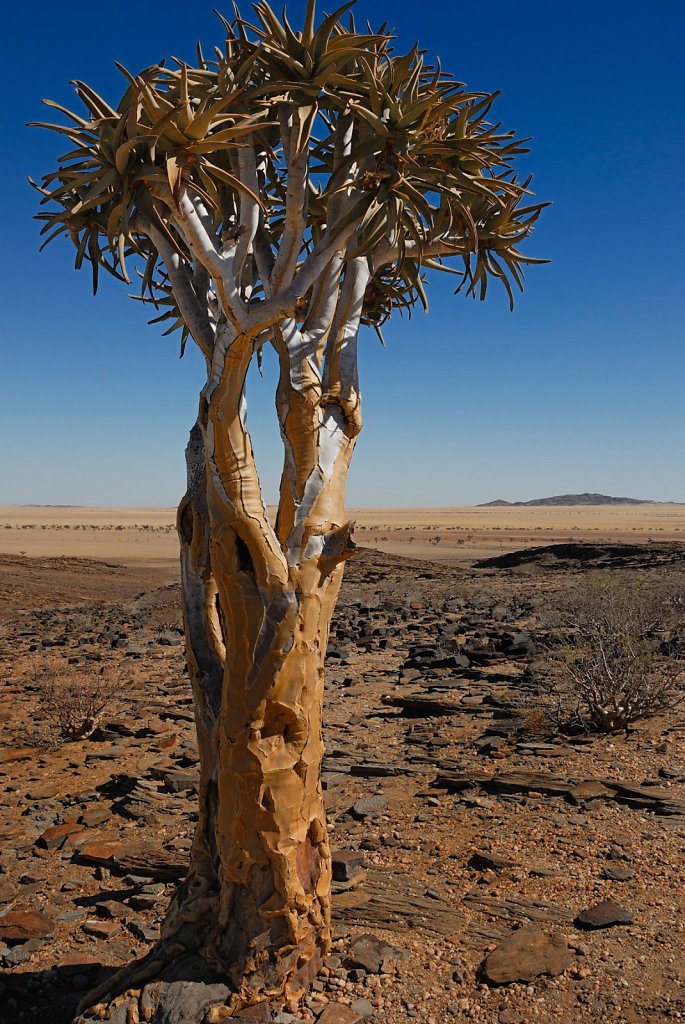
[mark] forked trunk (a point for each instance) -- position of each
(254, 910)
(256, 903)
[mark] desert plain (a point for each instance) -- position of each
(488, 866)
(147, 536)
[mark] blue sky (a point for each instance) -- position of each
(581, 388)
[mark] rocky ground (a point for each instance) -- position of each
(488, 868)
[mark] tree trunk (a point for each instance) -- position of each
(256, 902)
(254, 909)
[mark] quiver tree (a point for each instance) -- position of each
(287, 192)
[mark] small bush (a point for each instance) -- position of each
(535, 722)
(612, 668)
(74, 699)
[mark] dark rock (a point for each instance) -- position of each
(72, 915)
(111, 909)
(16, 956)
(519, 646)
(96, 815)
(142, 931)
(260, 1013)
(603, 915)
(179, 782)
(142, 901)
(617, 874)
(374, 769)
(363, 1007)
(347, 864)
(483, 861)
(369, 953)
(525, 954)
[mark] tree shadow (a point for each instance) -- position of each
(50, 995)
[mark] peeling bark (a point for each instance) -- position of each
(254, 909)
(255, 905)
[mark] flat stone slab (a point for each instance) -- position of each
(370, 806)
(55, 836)
(369, 953)
(22, 925)
(483, 861)
(145, 859)
(525, 954)
(604, 915)
(101, 929)
(346, 864)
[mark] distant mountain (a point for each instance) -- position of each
(569, 499)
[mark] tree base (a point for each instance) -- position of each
(159, 990)
(169, 986)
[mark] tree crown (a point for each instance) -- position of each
(287, 148)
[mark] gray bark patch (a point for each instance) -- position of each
(274, 614)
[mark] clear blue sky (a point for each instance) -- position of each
(581, 388)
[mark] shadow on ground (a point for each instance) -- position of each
(48, 995)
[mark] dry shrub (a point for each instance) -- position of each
(74, 698)
(614, 667)
(535, 722)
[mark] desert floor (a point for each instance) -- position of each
(147, 537)
(487, 825)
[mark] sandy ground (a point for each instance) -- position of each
(147, 536)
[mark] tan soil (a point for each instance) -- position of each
(459, 535)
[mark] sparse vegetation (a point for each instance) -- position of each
(617, 663)
(74, 699)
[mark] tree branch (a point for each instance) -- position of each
(342, 148)
(340, 376)
(249, 208)
(295, 136)
(298, 397)
(319, 424)
(324, 298)
(194, 222)
(196, 317)
(234, 493)
(284, 304)
(443, 245)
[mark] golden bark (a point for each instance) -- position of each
(257, 609)
(256, 903)
(254, 909)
